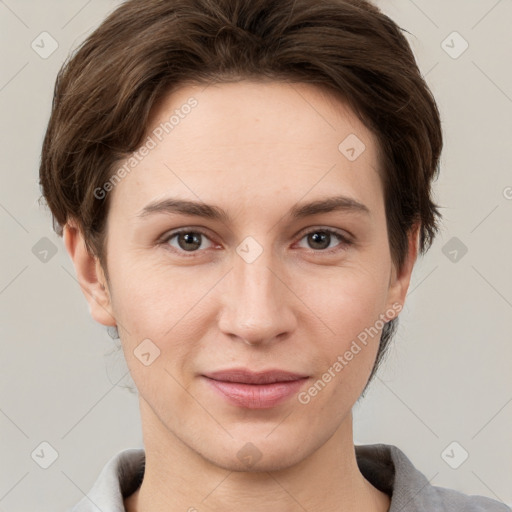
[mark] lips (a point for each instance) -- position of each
(244, 376)
(255, 390)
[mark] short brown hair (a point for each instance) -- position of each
(104, 94)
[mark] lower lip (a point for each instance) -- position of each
(256, 396)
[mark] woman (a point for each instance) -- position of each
(244, 188)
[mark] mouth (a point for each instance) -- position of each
(255, 390)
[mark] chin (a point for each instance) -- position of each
(250, 459)
(257, 451)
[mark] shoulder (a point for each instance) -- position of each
(120, 477)
(390, 470)
(452, 500)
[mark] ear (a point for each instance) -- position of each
(90, 275)
(400, 280)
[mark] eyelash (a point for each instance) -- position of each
(345, 242)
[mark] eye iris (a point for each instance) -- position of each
(318, 237)
(189, 241)
(190, 238)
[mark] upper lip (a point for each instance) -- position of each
(245, 376)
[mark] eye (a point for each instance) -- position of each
(320, 240)
(187, 240)
(192, 240)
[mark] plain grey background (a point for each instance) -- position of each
(445, 392)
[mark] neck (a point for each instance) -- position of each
(177, 478)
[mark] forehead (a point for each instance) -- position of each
(255, 141)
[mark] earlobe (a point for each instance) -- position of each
(89, 274)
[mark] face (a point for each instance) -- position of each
(256, 280)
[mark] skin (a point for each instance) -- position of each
(256, 150)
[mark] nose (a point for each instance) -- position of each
(257, 303)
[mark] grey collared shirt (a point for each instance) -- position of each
(386, 467)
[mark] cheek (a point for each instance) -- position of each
(150, 295)
(347, 299)
(154, 301)
(349, 305)
(166, 307)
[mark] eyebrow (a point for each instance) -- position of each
(172, 205)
